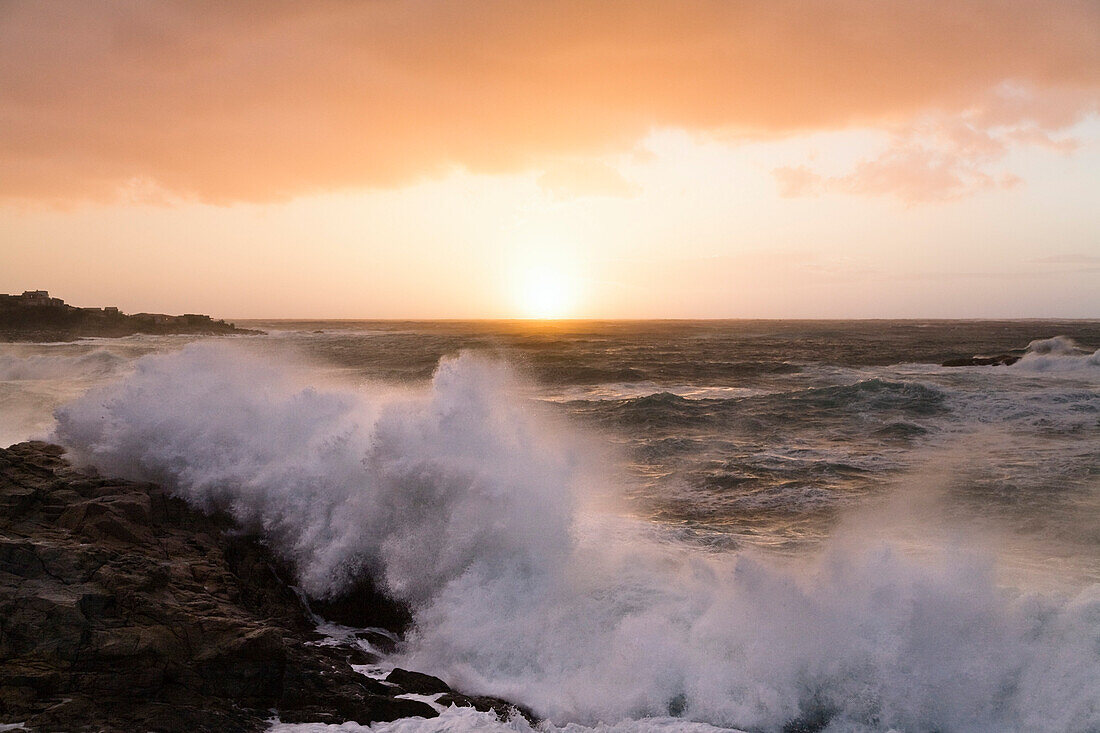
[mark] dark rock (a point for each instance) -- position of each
(367, 709)
(418, 682)
(502, 708)
(122, 608)
(812, 722)
(378, 639)
(363, 606)
(425, 684)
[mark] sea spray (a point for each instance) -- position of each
(419, 487)
(1058, 354)
(70, 364)
(469, 503)
(37, 378)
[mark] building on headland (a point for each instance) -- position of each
(37, 298)
(34, 315)
(41, 298)
(158, 318)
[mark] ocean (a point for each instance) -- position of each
(661, 525)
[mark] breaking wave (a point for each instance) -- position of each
(471, 503)
(90, 364)
(1058, 354)
(667, 410)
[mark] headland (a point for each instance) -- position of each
(36, 316)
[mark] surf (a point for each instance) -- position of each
(488, 515)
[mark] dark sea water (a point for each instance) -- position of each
(668, 525)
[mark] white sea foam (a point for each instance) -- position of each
(423, 487)
(633, 390)
(474, 506)
(459, 720)
(1058, 354)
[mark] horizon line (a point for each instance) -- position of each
(596, 319)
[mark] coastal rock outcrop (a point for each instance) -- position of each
(35, 316)
(122, 608)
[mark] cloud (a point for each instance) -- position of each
(268, 100)
(935, 159)
(584, 177)
(798, 181)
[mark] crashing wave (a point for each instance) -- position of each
(1058, 354)
(95, 363)
(471, 504)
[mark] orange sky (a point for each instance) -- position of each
(526, 136)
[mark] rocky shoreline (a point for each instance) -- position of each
(122, 608)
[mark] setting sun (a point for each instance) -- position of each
(544, 292)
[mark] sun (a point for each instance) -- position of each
(545, 293)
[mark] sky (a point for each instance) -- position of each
(500, 159)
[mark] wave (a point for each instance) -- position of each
(472, 504)
(1058, 354)
(342, 481)
(36, 378)
(877, 394)
(658, 366)
(95, 363)
(462, 720)
(609, 391)
(666, 409)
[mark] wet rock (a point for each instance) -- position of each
(418, 682)
(502, 708)
(122, 608)
(363, 606)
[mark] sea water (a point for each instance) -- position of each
(674, 526)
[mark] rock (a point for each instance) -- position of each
(418, 682)
(122, 608)
(502, 708)
(57, 321)
(816, 718)
(425, 684)
(364, 606)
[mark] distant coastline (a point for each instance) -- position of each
(36, 316)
